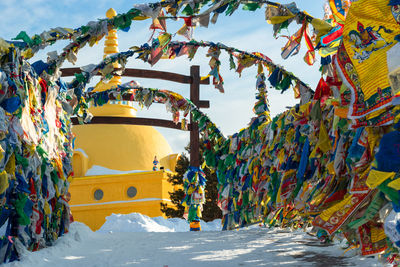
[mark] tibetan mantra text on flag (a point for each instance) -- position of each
(368, 36)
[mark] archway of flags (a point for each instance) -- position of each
(193, 13)
(331, 162)
(278, 77)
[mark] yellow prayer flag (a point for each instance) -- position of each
(279, 19)
(321, 26)
(377, 234)
(375, 178)
(3, 182)
(324, 143)
(395, 184)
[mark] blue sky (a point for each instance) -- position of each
(244, 30)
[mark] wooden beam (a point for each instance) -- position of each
(204, 104)
(142, 73)
(194, 132)
(67, 72)
(133, 121)
(154, 74)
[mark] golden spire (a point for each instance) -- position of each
(110, 47)
(112, 108)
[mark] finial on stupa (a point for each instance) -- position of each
(111, 13)
(155, 164)
(110, 47)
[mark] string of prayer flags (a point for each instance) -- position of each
(244, 59)
(36, 146)
(175, 104)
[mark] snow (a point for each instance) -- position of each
(82, 151)
(137, 240)
(96, 170)
(136, 222)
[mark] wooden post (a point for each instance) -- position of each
(194, 133)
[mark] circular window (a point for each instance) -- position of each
(131, 192)
(98, 194)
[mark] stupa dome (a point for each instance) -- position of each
(118, 146)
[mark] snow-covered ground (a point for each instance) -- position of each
(137, 240)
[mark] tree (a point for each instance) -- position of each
(210, 209)
(177, 196)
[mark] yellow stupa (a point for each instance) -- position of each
(113, 164)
